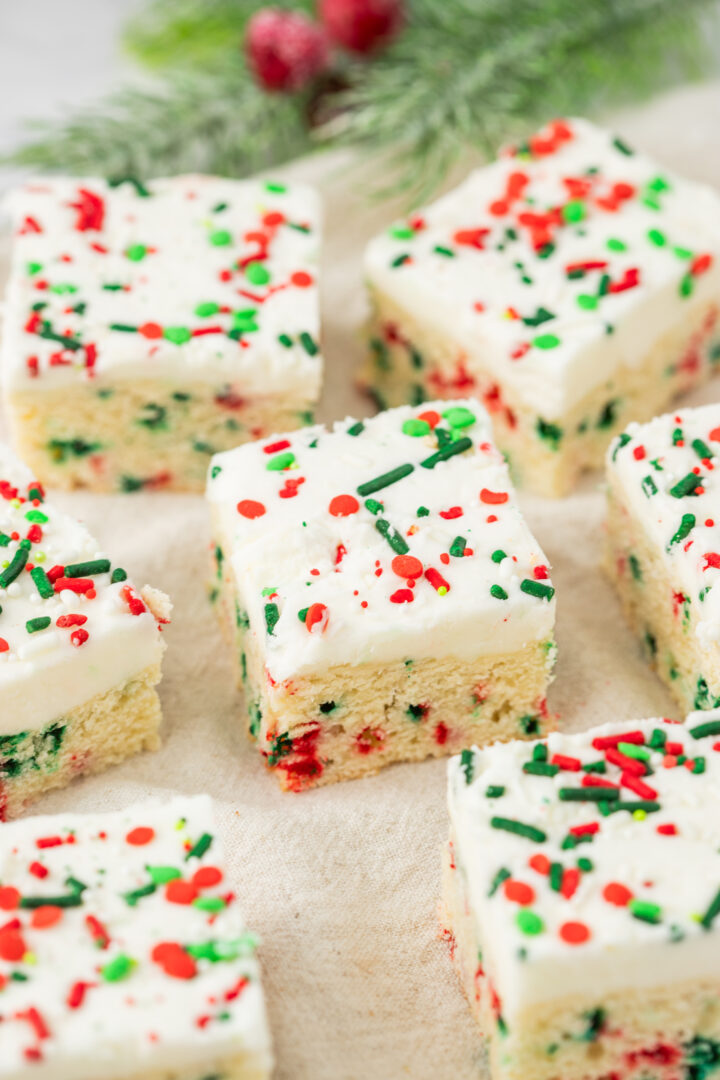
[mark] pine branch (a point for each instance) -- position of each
(461, 78)
(220, 123)
(187, 32)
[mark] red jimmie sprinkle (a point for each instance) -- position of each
(64, 621)
(48, 841)
(436, 579)
(274, 448)
(97, 931)
(493, 498)
(588, 829)
(565, 762)
(316, 618)
(602, 742)
(76, 994)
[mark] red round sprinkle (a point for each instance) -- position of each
(151, 330)
(343, 506)
(273, 218)
(518, 892)
(140, 836)
(3, 645)
(407, 566)
(174, 961)
(302, 279)
(639, 453)
(79, 637)
(433, 418)
(493, 498)
(541, 863)
(12, 945)
(9, 898)
(45, 916)
(180, 892)
(574, 933)
(207, 876)
(617, 894)
(249, 508)
(317, 615)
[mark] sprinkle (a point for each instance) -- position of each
(529, 922)
(343, 506)
(493, 498)
(16, 565)
(249, 508)
(467, 764)
(710, 727)
(119, 968)
(494, 791)
(645, 910)
(272, 614)
(519, 828)
(87, 569)
(537, 588)
(711, 913)
(383, 481)
(498, 592)
(140, 836)
(200, 847)
(689, 485)
(574, 933)
(457, 447)
(393, 537)
(40, 623)
(687, 524)
(42, 582)
(588, 794)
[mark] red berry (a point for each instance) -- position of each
(285, 49)
(361, 25)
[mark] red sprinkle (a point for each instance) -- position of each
(140, 836)
(518, 892)
(574, 933)
(316, 615)
(617, 894)
(249, 508)
(343, 506)
(493, 498)
(407, 566)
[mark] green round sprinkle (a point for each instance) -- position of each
(257, 274)
(459, 417)
(529, 923)
(546, 341)
(220, 238)
(118, 574)
(208, 308)
(587, 302)
(281, 461)
(402, 232)
(498, 555)
(416, 428)
(656, 237)
(616, 245)
(136, 252)
(118, 968)
(498, 592)
(177, 334)
(573, 211)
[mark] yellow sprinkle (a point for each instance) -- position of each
(29, 958)
(40, 556)
(15, 503)
(639, 815)
(442, 590)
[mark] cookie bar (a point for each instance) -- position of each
(80, 649)
(663, 546)
(573, 286)
(385, 599)
(581, 900)
(150, 326)
(122, 951)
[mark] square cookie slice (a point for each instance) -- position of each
(581, 893)
(80, 648)
(148, 327)
(573, 285)
(385, 599)
(663, 546)
(123, 954)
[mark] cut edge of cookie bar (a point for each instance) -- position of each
(145, 435)
(355, 719)
(411, 362)
(574, 1025)
(655, 604)
(89, 739)
(238, 1067)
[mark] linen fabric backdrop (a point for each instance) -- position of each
(342, 883)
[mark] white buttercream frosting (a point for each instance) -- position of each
(200, 279)
(83, 993)
(89, 640)
(636, 906)
(557, 265)
(430, 561)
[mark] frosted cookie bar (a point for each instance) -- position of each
(80, 649)
(573, 286)
(663, 546)
(122, 951)
(385, 599)
(149, 326)
(581, 899)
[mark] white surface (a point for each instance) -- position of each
(342, 883)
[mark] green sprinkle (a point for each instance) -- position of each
(416, 428)
(711, 913)
(498, 555)
(132, 898)
(220, 238)
(42, 582)
(587, 301)
(401, 232)
(256, 273)
(573, 211)
(556, 876)
(519, 829)
(498, 592)
(702, 449)
(687, 486)
(640, 753)
(199, 847)
(162, 874)
(393, 537)
(710, 727)
(588, 794)
(87, 569)
(537, 588)
(540, 768)
(272, 614)
(645, 910)
(422, 511)
(613, 244)
(209, 903)
(502, 875)
(687, 524)
(36, 517)
(622, 147)
(383, 481)
(373, 506)
(16, 564)
(529, 923)
(546, 341)
(123, 328)
(457, 548)
(467, 764)
(118, 574)
(648, 486)
(357, 428)
(178, 335)
(207, 308)
(494, 791)
(280, 462)
(658, 738)
(457, 447)
(136, 252)
(459, 417)
(309, 344)
(285, 340)
(118, 968)
(40, 623)
(656, 237)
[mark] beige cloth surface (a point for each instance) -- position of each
(342, 883)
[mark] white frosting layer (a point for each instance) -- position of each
(667, 474)
(316, 540)
(676, 872)
(496, 252)
(180, 269)
(46, 672)
(69, 1018)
